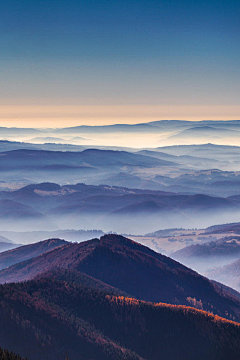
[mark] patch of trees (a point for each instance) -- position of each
(54, 316)
(6, 355)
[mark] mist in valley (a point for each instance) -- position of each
(80, 183)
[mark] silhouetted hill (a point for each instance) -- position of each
(47, 186)
(58, 316)
(26, 252)
(132, 268)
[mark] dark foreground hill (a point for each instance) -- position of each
(133, 269)
(44, 318)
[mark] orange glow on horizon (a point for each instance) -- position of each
(71, 115)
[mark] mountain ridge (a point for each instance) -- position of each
(134, 269)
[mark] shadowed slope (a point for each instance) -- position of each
(56, 316)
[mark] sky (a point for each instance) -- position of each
(100, 62)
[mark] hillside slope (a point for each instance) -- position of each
(57, 316)
(134, 269)
(22, 253)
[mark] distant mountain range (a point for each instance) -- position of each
(82, 300)
(206, 169)
(111, 297)
(52, 205)
(171, 132)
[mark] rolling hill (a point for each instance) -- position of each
(79, 205)
(133, 269)
(59, 317)
(36, 159)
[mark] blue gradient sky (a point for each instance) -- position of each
(118, 61)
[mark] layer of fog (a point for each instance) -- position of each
(202, 264)
(123, 224)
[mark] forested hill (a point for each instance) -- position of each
(134, 269)
(44, 318)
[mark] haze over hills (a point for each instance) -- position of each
(207, 169)
(202, 150)
(211, 254)
(101, 207)
(170, 132)
(228, 274)
(29, 237)
(141, 190)
(204, 133)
